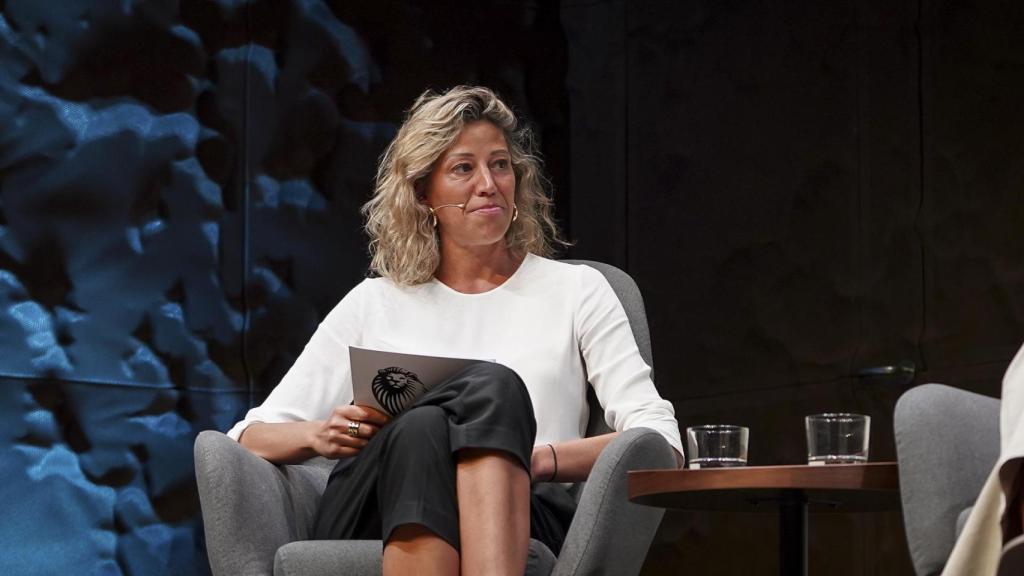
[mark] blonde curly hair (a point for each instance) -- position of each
(403, 243)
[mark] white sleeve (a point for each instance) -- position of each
(619, 375)
(321, 377)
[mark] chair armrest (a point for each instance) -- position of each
(947, 441)
(330, 557)
(250, 506)
(609, 534)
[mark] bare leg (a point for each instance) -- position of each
(412, 549)
(494, 512)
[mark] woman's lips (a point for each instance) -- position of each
(488, 210)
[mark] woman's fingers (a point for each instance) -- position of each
(356, 434)
(349, 429)
(373, 416)
(335, 452)
(369, 419)
(367, 430)
(362, 414)
(334, 440)
(340, 436)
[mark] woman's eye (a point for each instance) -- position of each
(502, 164)
(462, 168)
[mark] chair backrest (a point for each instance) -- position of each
(947, 441)
(633, 302)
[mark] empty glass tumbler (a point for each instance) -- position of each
(717, 446)
(837, 438)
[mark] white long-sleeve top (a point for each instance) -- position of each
(557, 325)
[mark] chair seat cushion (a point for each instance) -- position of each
(364, 558)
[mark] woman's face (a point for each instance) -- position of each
(477, 171)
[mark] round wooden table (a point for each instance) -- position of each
(793, 491)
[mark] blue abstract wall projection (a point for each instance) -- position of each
(180, 187)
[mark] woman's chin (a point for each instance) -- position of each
(493, 239)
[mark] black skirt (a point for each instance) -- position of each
(406, 473)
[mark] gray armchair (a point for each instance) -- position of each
(947, 441)
(258, 516)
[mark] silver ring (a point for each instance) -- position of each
(353, 428)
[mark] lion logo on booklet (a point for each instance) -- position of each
(395, 387)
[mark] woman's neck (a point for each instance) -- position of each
(477, 270)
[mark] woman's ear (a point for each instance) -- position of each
(419, 189)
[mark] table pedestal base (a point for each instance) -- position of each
(793, 537)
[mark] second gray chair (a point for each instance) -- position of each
(947, 441)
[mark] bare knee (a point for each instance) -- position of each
(414, 549)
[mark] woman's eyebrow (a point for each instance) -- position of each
(453, 155)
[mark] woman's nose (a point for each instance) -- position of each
(486, 186)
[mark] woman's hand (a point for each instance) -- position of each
(347, 430)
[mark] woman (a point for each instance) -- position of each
(460, 228)
(992, 541)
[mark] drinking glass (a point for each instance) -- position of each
(837, 438)
(717, 446)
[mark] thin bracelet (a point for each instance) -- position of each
(554, 456)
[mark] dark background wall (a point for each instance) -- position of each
(802, 190)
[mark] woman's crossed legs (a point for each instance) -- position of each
(446, 484)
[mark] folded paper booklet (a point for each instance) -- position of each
(391, 381)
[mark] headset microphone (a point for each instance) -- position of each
(460, 206)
